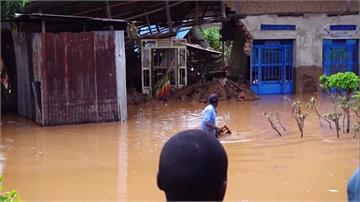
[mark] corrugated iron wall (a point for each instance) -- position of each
(24, 96)
(77, 77)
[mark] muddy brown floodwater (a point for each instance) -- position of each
(118, 161)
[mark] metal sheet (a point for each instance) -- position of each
(120, 66)
(106, 76)
(24, 103)
(78, 77)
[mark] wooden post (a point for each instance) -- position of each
(168, 16)
(148, 21)
(43, 30)
(157, 28)
(223, 52)
(197, 12)
(108, 13)
(237, 7)
(223, 13)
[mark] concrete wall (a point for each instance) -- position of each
(261, 7)
(308, 38)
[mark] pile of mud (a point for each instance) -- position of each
(225, 88)
(135, 98)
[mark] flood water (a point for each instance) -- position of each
(118, 161)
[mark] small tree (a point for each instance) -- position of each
(344, 84)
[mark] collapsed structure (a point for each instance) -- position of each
(277, 47)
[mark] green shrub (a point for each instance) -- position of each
(348, 81)
(9, 7)
(10, 196)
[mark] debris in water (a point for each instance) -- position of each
(225, 88)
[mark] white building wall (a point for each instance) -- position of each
(308, 37)
(309, 34)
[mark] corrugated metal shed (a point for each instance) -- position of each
(77, 77)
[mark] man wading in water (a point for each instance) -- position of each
(208, 119)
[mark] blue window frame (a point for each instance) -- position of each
(342, 27)
(277, 27)
(340, 55)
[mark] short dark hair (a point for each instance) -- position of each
(213, 98)
(193, 166)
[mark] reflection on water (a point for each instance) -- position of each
(118, 161)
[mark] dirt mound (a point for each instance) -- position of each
(225, 88)
(135, 98)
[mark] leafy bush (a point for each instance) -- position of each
(11, 196)
(342, 81)
(213, 37)
(348, 81)
(9, 7)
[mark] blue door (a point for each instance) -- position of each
(340, 55)
(271, 69)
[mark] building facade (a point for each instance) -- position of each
(293, 43)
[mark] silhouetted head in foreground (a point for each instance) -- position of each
(193, 167)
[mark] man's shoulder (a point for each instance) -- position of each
(209, 108)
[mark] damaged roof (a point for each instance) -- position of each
(144, 12)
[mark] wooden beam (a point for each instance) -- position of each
(238, 7)
(133, 12)
(168, 16)
(43, 28)
(157, 28)
(148, 21)
(223, 13)
(101, 8)
(203, 14)
(153, 11)
(122, 14)
(197, 12)
(108, 13)
(214, 10)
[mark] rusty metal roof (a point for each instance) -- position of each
(38, 17)
(130, 10)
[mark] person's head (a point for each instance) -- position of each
(213, 99)
(193, 167)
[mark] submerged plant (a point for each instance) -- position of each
(312, 104)
(335, 116)
(297, 114)
(273, 117)
(344, 84)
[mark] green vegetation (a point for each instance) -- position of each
(11, 196)
(344, 84)
(9, 7)
(347, 81)
(213, 37)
